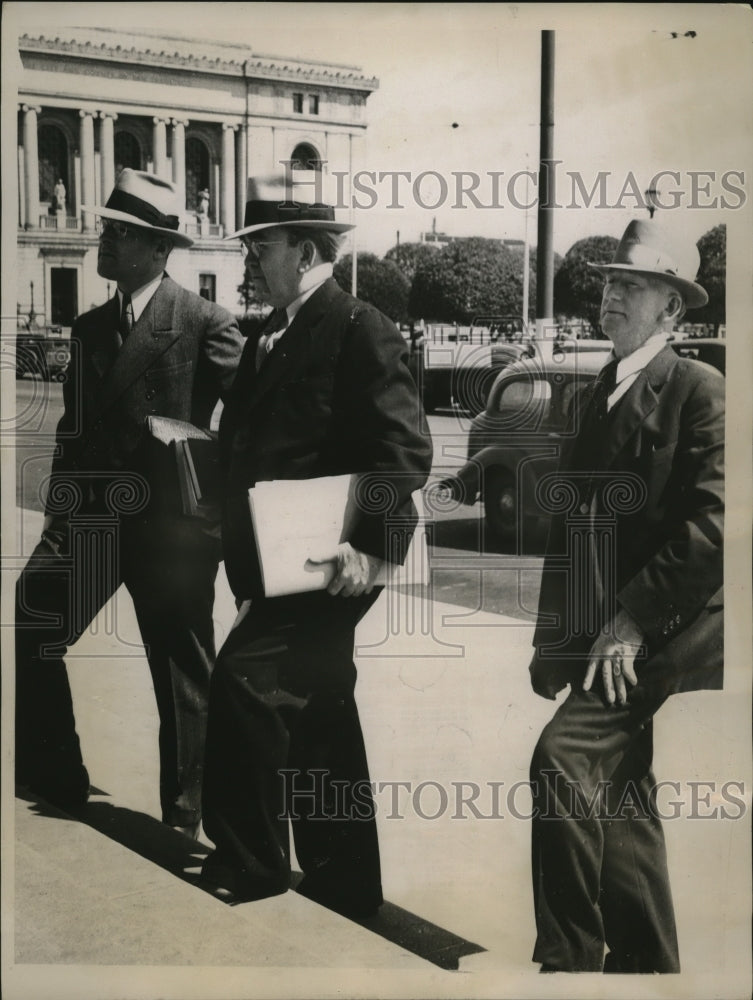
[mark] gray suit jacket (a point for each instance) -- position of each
(180, 357)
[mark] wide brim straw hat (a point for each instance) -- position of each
(145, 200)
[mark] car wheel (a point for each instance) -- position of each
(501, 505)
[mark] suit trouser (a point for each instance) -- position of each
(600, 870)
(284, 742)
(169, 569)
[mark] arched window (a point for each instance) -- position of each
(53, 162)
(197, 172)
(127, 152)
(305, 157)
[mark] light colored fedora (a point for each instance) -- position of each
(291, 200)
(145, 200)
(647, 249)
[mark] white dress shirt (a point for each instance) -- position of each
(140, 298)
(629, 368)
(312, 279)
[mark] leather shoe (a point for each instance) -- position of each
(191, 830)
(227, 883)
(67, 792)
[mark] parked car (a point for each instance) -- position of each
(459, 365)
(710, 350)
(517, 439)
(45, 358)
(462, 376)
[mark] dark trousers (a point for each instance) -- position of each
(284, 743)
(599, 864)
(169, 569)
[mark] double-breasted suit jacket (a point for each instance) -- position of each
(664, 454)
(335, 396)
(113, 521)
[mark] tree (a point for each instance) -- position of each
(380, 282)
(408, 256)
(712, 275)
(468, 278)
(578, 287)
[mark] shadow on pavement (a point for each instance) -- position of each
(412, 933)
(140, 833)
(176, 853)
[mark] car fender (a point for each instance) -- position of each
(466, 484)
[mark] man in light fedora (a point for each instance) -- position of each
(325, 391)
(630, 612)
(153, 349)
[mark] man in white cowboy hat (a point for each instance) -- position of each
(633, 619)
(326, 391)
(153, 349)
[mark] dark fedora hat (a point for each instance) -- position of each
(145, 200)
(646, 248)
(288, 200)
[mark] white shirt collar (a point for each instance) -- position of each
(638, 360)
(311, 280)
(140, 298)
(630, 367)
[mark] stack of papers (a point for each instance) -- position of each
(296, 521)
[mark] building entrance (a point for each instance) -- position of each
(64, 296)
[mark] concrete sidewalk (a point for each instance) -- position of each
(108, 905)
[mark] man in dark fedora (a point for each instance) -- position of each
(153, 349)
(630, 612)
(326, 391)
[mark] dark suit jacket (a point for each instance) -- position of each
(334, 396)
(180, 357)
(666, 443)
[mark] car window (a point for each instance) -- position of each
(525, 402)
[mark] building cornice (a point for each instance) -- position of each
(36, 99)
(252, 67)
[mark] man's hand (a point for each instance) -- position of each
(355, 572)
(615, 651)
(546, 679)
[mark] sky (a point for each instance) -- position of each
(459, 91)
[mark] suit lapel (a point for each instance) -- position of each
(152, 335)
(294, 346)
(640, 399)
(108, 340)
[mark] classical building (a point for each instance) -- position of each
(92, 101)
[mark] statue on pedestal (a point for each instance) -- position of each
(58, 199)
(202, 209)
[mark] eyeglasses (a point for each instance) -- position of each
(253, 247)
(113, 228)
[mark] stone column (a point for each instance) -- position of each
(86, 146)
(159, 147)
(21, 175)
(227, 217)
(31, 165)
(107, 151)
(179, 157)
(241, 174)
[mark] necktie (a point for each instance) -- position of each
(126, 317)
(274, 329)
(591, 436)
